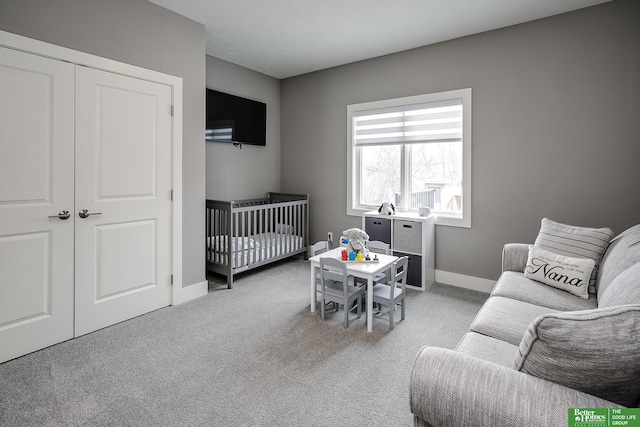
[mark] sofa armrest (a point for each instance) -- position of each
(454, 389)
(514, 257)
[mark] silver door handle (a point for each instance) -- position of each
(84, 213)
(61, 215)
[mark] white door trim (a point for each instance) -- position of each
(25, 44)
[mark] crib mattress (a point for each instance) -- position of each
(253, 249)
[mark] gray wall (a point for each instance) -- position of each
(140, 33)
(252, 171)
(556, 106)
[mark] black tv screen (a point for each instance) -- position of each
(235, 119)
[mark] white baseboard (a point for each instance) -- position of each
(188, 293)
(462, 281)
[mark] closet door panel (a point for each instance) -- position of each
(36, 183)
(123, 180)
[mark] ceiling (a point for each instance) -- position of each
(285, 38)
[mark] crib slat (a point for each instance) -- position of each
(294, 225)
(254, 220)
(281, 220)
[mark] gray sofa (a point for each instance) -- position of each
(534, 351)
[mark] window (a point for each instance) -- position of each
(413, 151)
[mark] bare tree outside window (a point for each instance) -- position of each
(380, 174)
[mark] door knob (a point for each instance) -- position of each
(84, 213)
(61, 215)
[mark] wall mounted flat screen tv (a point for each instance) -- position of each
(235, 119)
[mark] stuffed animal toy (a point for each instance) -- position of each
(357, 239)
(387, 208)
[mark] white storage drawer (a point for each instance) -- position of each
(407, 236)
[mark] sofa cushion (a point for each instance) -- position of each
(487, 348)
(515, 286)
(559, 271)
(622, 253)
(594, 351)
(506, 319)
(570, 240)
(624, 289)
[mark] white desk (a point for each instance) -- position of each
(358, 269)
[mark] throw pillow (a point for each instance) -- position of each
(594, 351)
(562, 272)
(573, 241)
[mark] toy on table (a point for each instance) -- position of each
(344, 254)
(359, 257)
(357, 239)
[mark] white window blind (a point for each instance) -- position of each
(439, 121)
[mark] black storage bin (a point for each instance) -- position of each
(414, 273)
(378, 229)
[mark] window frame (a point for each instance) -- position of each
(353, 160)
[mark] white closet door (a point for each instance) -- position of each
(123, 181)
(36, 182)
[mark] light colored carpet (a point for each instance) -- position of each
(250, 356)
